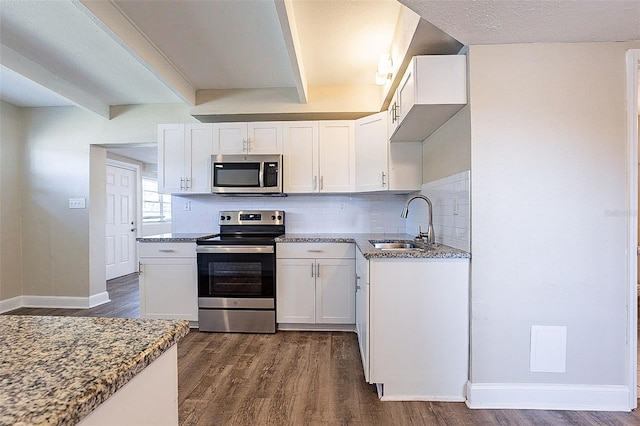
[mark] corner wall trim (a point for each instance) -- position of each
(548, 396)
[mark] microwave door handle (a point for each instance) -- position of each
(261, 175)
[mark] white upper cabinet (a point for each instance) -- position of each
(230, 138)
(184, 151)
(432, 90)
(381, 166)
(319, 156)
(248, 138)
(393, 116)
(264, 137)
(300, 156)
(372, 171)
(337, 156)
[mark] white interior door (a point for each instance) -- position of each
(121, 222)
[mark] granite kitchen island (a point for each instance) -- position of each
(70, 370)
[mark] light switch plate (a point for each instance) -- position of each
(77, 203)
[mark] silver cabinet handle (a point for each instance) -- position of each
(181, 184)
(358, 287)
(321, 183)
(139, 267)
(248, 145)
(383, 179)
(315, 182)
(312, 265)
(233, 249)
(314, 251)
(187, 183)
(317, 270)
(166, 251)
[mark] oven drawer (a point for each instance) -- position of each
(315, 250)
(186, 249)
(237, 321)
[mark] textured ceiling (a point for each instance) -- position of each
(533, 21)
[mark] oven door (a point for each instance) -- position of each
(236, 277)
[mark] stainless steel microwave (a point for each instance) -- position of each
(246, 174)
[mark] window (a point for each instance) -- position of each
(155, 207)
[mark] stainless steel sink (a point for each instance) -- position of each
(396, 246)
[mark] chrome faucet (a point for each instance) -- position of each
(431, 235)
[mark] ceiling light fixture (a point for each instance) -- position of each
(385, 69)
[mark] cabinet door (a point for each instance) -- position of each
(199, 147)
(300, 140)
(362, 323)
(171, 158)
(230, 138)
(295, 291)
(335, 291)
(337, 152)
(393, 117)
(406, 92)
(168, 288)
(362, 310)
(372, 172)
(264, 138)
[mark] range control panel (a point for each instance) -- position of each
(251, 217)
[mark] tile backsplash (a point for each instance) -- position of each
(318, 213)
(451, 211)
(351, 213)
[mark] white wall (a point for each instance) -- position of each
(352, 213)
(10, 205)
(448, 150)
(548, 190)
(57, 241)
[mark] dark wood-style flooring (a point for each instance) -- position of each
(301, 378)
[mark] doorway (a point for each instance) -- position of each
(121, 219)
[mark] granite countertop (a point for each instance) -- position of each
(430, 251)
(56, 370)
(174, 237)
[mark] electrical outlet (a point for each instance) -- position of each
(187, 206)
(342, 207)
(77, 203)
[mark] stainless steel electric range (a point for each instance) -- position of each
(237, 273)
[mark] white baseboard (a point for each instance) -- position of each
(98, 299)
(63, 302)
(548, 397)
(10, 304)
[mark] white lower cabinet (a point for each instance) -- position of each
(168, 281)
(362, 310)
(315, 283)
(413, 327)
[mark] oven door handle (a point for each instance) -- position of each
(234, 249)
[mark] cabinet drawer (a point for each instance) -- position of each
(187, 249)
(315, 250)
